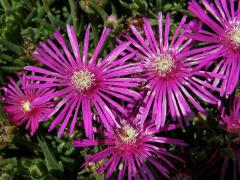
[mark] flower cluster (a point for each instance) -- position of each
(132, 92)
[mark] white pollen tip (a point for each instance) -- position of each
(26, 106)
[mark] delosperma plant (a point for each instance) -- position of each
(140, 101)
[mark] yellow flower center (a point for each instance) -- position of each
(128, 134)
(82, 80)
(164, 64)
(235, 35)
(26, 106)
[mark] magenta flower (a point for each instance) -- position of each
(84, 83)
(223, 34)
(232, 121)
(173, 71)
(130, 148)
(18, 104)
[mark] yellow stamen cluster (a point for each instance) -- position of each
(26, 106)
(128, 134)
(164, 64)
(235, 36)
(82, 80)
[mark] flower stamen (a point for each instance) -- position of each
(128, 134)
(26, 106)
(235, 36)
(164, 64)
(82, 80)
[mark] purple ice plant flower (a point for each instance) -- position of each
(222, 19)
(18, 104)
(232, 122)
(173, 70)
(130, 148)
(84, 83)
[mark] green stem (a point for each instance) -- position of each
(95, 35)
(73, 8)
(100, 10)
